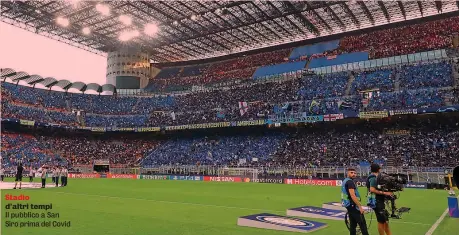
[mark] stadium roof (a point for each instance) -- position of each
(193, 30)
(49, 82)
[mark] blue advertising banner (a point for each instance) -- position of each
(182, 177)
(416, 185)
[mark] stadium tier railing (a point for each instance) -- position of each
(389, 61)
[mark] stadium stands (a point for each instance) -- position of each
(403, 40)
(232, 150)
(329, 85)
(382, 79)
(426, 75)
(315, 95)
(401, 87)
(74, 150)
(378, 44)
(418, 144)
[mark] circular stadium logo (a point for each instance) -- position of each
(284, 221)
(247, 180)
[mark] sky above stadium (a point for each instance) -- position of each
(22, 50)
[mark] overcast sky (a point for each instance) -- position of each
(22, 50)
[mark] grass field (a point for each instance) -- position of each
(146, 207)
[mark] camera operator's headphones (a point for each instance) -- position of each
(456, 175)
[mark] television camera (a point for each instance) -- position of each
(393, 183)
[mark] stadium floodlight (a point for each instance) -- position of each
(62, 21)
(128, 35)
(151, 29)
(86, 30)
(103, 9)
(126, 20)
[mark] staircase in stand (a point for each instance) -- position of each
(68, 105)
(397, 81)
(349, 83)
(391, 161)
(455, 75)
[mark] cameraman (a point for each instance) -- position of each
(350, 198)
(376, 200)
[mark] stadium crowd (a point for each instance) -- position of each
(420, 85)
(403, 40)
(36, 150)
(424, 143)
(382, 43)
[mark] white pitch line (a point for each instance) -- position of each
(207, 205)
(434, 226)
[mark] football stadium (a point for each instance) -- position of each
(233, 117)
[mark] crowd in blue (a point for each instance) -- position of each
(420, 85)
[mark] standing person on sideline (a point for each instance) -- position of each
(31, 174)
(66, 174)
(19, 171)
(62, 175)
(43, 177)
(51, 171)
(57, 173)
(2, 173)
(350, 198)
(377, 200)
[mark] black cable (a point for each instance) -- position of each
(358, 231)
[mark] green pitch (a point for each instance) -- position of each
(146, 207)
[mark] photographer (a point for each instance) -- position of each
(350, 198)
(376, 200)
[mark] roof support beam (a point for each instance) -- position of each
(258, 21)
(280, 13)
(402, 9)
(336, 18)
(367, 12)
(243, 10)
(290, 6)
(384, 10)
(421, 8)
(219, 16)
(310, 8)
(350, 13)
(186, 26)
(267, 16)
(439, 6)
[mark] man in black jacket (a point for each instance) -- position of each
(19, 171)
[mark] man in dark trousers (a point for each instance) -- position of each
(2, 173)
(350, 198)
(19, 171)
(377, 200)
(66, 174)
(57, 173)
(43, 177)
(52, 171)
